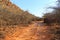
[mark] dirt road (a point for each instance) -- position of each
(35, 31)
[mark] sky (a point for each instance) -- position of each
(35, 7)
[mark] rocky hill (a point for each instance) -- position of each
(4, 4)
(10, 14)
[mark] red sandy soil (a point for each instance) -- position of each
(35, 31)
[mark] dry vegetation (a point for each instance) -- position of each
(11, 20)
(53, 21)
(12, 17)
(10, 14)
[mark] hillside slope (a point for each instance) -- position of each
(10, 14)
(4, 4)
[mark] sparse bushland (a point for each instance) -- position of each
(53, 21)
(9, 18)
(52, 18)
(10, 14)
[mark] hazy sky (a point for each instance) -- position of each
(36, 7)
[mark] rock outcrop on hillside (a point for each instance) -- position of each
(6, 4)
